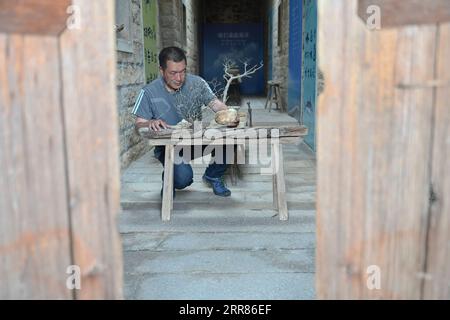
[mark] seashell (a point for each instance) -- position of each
(227, 117)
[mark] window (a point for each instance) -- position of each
(123, 26)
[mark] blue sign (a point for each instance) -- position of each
(295, 58)
(239, 42)
(309, 73)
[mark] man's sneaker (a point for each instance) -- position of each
(218, 186)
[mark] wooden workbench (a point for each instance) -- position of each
(275, 134)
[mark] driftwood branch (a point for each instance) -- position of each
(230, 77)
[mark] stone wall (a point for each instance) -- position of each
(130, 80)
(130, 64)
(280, 46)
(174, 33)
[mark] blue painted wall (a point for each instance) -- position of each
(309, 73)
(295, 58)
(235, 41)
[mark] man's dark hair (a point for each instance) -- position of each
(174, 54)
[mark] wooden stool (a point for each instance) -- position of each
(274, 95)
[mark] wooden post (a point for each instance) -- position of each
(394, 13)
(382, 144)
(279, 185)
(436, 274)
(41, 17)
(35, 240)
(167, 199)
(59, 182)
(275, 192)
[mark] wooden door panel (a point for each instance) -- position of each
(35, 229)
(395, 13)
(374, 137)
(91, 123)
(437, 274)
(59, 158)
(43, 17)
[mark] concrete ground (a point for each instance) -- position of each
(220, 248)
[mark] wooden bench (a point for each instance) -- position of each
(276, 136)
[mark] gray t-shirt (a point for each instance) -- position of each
(156, 102)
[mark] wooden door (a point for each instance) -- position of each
(383, 201)
(59, 176)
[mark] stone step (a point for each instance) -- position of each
(194, 195)
(215, 261)
(293, 177)
(136, 167)
(241, 186)
(222, 219)
(244, 169)
(221, 286)
(166, 241)
(231, 205)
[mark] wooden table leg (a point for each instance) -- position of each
(239, 158)
(275, 191)
(278, 180)
(240, 154)
(233, 174)
(167, 199)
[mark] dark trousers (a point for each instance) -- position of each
(183, 174)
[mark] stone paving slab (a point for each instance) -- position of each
(256, 286)
(166, 241)
(258, 221)
(219, 261)
(237, 199)
(241, 186)
(215, 248)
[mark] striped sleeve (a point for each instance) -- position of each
(142, 107)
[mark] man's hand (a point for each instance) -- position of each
(156, 125)
(217, 105)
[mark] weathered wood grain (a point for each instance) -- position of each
(90, 118)
(373, 155)
(437, 273)
(35, 246)
(167, 199)
(395, 13)
(43, 17)
(257, 132)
